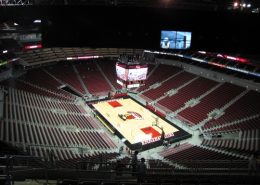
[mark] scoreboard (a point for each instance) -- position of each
(131, 75)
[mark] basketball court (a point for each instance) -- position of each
(133, 121)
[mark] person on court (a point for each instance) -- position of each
(134, 162)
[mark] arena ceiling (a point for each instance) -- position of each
(136, 23)
(151, 3)
(182, 4)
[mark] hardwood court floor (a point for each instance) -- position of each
(139, 124)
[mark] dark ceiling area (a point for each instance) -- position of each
(134, 26)
(181, 4)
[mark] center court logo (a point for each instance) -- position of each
(131, 115)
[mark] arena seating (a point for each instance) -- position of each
(87, 162)
(215, 100)
(170, 84)
(174, 150)
(40, 118)
(187, 152)
(108, 67)
(162, 72)
(192, 90)
(235, 127)
(150, 69)
(47, 55)
(92, 78)
(37, 123)
(156, 163)
(42, 79)
(23, 85)
(65, 73)
(241, 109)
(246, 143)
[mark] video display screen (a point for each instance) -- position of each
(137, 74)
(175, 39)
(131, 76)
(121, 71)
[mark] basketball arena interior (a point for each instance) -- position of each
(85, 84)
